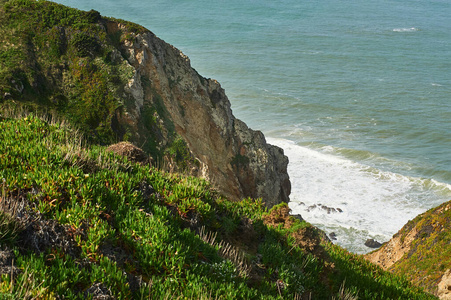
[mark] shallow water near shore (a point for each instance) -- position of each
(358, 94)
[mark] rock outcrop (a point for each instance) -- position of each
(421, 251)
(393, 250)
(371, 243)
(234, 158)
(444, 287)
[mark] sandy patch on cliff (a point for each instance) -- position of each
(393, 250)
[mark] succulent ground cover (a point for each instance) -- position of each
(78, 221)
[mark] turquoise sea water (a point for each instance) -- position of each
(358, 93)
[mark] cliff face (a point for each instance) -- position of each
(233, 157)
(421, 251)
(118, 81)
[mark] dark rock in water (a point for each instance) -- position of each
(324, 207)
(299, 217)
(372, 243)
(311, 207)
(333, 236)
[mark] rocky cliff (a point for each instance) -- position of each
(231, 156)
(421, 251)
(118, 81)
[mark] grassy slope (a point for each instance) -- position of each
(76, 218)
(62, 59)
(57, 59)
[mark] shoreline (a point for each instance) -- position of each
(350, 199)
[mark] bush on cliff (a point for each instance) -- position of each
(60, 59)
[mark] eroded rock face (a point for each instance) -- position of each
(424, 239)
(444, 287)
(393, 250)
(234, 158)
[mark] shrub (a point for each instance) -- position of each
(85, 45)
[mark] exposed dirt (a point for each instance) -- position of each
(43, 234)
(392, 251)
(308, 238)
(444, 287)
(130, 151)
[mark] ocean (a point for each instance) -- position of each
(357, 93)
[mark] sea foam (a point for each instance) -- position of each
(353, 200)
(411, 29)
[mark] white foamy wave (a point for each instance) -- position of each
(411, 29)
(445, 188)
(353, 200)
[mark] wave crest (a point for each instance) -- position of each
(411, 29)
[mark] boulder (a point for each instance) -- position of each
(371, 243)
(299, 217)
(444, 286)
(333, 236)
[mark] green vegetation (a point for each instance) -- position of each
(423, 264)
(94, 222)
(77, 221)
(178, 151)
(56, 58)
